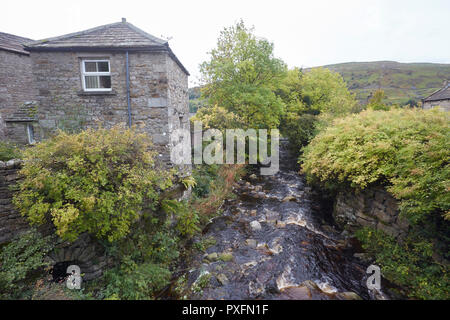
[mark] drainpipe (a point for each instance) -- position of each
(128, 90)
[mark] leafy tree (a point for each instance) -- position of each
(96, 181)
(240, 77)
(326, 92)
(312, 99)
(376, 102)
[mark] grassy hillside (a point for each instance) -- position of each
(400, 81)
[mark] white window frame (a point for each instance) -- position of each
(84, 73)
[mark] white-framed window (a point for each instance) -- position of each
(30, 133)
(96, 75)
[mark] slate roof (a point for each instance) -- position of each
(12, 43)
(119, 36)
(441, 94)
(114, 35)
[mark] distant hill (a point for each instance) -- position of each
(400, 81)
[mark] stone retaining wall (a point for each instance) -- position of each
(374, 207)
(11, 222)
(85, 251)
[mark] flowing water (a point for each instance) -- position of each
(271, 243)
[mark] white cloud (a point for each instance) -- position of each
(305, 33)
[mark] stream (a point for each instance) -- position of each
(272, 242)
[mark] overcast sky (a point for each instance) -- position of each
(305, 33)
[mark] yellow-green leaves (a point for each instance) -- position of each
(408, 150)
(96, 181)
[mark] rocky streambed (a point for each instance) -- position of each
(271, 243)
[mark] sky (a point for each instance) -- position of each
(305, 33)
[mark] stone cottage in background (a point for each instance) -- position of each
(440, 98)
(112, 74)
(16, 90)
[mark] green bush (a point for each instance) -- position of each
(312, 100)
(143, 260)
(19, 260)
(9, 151)
(96, 181)
(408, 150)
(132, 281)
(409, 264)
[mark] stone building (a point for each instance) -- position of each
(16, 90)
(112, 74)
(439, 98)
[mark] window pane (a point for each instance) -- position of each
(90, 66)
(105, 82)
(103, 66)
(91, 82)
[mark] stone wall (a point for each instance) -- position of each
(11, 222)
(16, 81)
(157, 86)
(178, 110)
(16, 84)
(88, 253)
(444, 104)
(373, 207)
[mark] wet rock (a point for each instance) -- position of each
(255, 225)
(275, 246)
(226, 256)
(249, 265)
(223, 280)
(253, 176)
(212, 256)
(280, 224)
(289, 198)
(255, 289)
(348, 296)
(363, 257)
(342, 244)
(311, 285)
(251, 243)
(328, 229)
(296, 293)
(258, 188)
(253, 213)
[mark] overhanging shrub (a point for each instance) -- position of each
(95, 181)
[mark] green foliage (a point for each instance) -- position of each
(312, 100)
(9, 151)
(406, 149)
(188, 182)
(409, 264)
(326, 92)
(132, 281)
(408, 152)
(143, 260)
(204, 175)
(202, 282)
(376, 102)
(19, 260)
(96, 181)
(187, 218)
(241, 75)
(205, 243)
